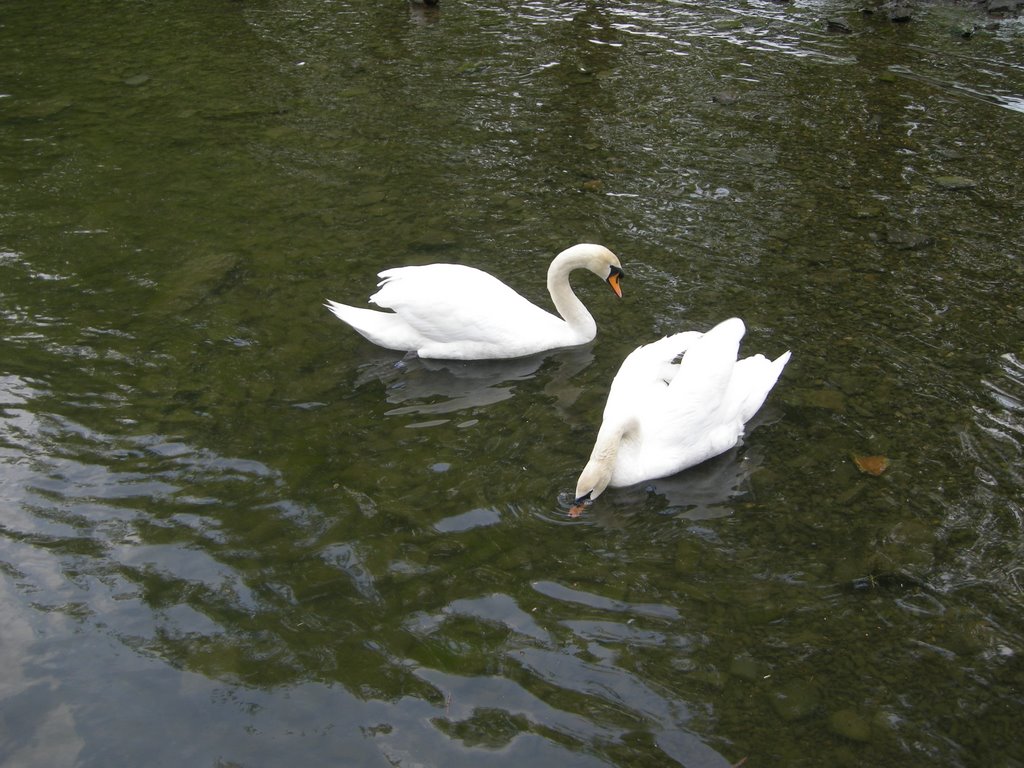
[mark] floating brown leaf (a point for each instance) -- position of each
(871, 465)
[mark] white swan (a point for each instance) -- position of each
(662, 417)
(454, 312)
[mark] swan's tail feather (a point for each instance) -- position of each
(707, 366)
(710, 374)
(385, 329)
(753, 379)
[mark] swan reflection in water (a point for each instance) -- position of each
(704, 492)
(434, 387)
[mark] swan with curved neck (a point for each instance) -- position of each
(662, 417)
(455, 312)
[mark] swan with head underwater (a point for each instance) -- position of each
(455, 312)
(662, 416)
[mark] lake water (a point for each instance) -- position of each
(234, 533)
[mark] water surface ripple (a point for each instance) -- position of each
(219, 505)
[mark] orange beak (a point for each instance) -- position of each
(614, 280)
(580, 505)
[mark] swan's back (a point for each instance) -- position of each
(463, 291)
(688, 411)
(453, 304)
(651, 366)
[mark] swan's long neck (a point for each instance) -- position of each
(567, 304)
(599, 470)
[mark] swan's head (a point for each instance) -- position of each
(593, 480)
(597, 475)
(597, 259)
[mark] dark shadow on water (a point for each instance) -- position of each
(705, 492)
(421, 386)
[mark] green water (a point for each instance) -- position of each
(233, 532)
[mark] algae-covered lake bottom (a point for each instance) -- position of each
(234, 533)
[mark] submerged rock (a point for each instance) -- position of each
(746, 668)
(829, 399)
(849, 725)
(1003, 6)
(908, 545)
(795, 700)
(906, 240)
(900, 14)
(956, 182)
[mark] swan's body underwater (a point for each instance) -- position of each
(662, 417)
(455, 312)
